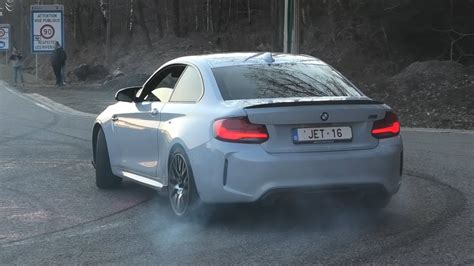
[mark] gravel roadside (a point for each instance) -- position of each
(88, 98)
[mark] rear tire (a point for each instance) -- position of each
(104, 178)
(182, 192)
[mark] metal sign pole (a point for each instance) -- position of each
(286, 40)
(295, 35)
(36, 55)
(36, 66)
(291, 28)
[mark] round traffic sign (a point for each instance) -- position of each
(2, 33)
(47, 31)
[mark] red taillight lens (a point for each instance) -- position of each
(387, 127)
(239, 129)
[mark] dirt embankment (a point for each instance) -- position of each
(436, 94)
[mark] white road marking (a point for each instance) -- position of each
(57, 107)
(46, 103)
(44, 107)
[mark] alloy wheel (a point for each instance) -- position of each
(178, 187)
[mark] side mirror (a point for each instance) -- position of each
(127, 94)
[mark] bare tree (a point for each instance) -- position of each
(159, 26)
(105, 9)
(130, 24)
(142, 23)
(176, 18)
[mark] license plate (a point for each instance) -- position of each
(322, 134)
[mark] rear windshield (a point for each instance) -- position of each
(281, 81)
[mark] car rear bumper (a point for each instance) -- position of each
(245, 173)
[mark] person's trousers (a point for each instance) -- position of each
(57, 73)
(63, 74)
(18, 73)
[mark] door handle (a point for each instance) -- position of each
(154, 112)
(114, 118)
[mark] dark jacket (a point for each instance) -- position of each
(58, 57)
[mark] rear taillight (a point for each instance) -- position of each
(387, 127)
(239, 129)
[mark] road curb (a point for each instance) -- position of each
(437, 130)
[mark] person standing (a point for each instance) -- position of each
(58, 60)
(17, 61)
(63, 67)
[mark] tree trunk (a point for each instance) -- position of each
(229, 14)
(196, 17)
(176, 20)
(220, 20)
(130, 25)
(79, 29)
(142, 22)
(208, 19)
(277, 24)
(248, 11)
(159, 26)
(184, 18)
(106, 11)
(22, 26)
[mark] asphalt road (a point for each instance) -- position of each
(51, 211)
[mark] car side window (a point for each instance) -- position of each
(189, 87)
(160, 87)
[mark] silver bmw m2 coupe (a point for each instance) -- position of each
(238, 127)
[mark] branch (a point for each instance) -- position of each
(452, 30)
(454, 40)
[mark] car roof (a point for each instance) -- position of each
(249, 58)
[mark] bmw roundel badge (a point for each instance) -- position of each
(324, 116)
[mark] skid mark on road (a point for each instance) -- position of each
(456, 204)
(72, 198)
(53, 235)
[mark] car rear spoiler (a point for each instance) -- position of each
(305, 103)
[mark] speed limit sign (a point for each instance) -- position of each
(47, 27)
(4, 37)
(47, 31)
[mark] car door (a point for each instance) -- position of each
(182, 117)
(137, 128)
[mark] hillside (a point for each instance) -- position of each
(394, 51)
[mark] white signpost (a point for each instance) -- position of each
(5, 39)
(47, 28)
(47, 24)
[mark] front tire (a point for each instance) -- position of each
(104, 178)
(182, 192)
